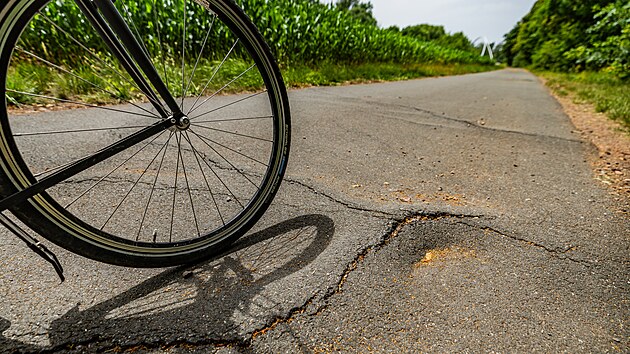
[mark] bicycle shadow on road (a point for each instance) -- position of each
(223, 299)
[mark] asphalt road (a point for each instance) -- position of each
(436, 215)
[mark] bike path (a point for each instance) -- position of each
(451, 214)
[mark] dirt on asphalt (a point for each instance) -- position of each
(611, 166)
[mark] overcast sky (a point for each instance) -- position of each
(476, 18)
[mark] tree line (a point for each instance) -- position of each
(571, 36)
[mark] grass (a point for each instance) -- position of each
(334, 74)
(101, 85)
(606, 92)
(98, 85)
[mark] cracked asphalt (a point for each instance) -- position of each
(436, 215)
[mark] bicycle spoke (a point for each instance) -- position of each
(229, 104)
(226, 160)
(157, 27)
(116, 71)
(131, 189)
(203, 46)
(115, 32)
(76, 168)
(232, 119)
(223, 88)
(179, 154)
(220, 180)
(79, 130)
(184, 57)
(233, 133)
(157, 175)
(214, 73)
(50, 170)
(195, 126)
(78, 103)
(133, 24)
(235, 151)
(13, 100)
(140, 39)
(79, 77)
(192, 205)
(112, 171)
(204, 177)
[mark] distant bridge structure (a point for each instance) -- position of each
(487, 46)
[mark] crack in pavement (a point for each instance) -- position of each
(383, 214)
(483, 127)
(395, 227)
(316, 304)
(443, 116)
(394, 224)
(555, 252)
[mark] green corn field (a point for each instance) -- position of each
(299, 32)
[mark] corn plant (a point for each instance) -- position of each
(299, 31)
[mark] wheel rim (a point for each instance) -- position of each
(193, 185)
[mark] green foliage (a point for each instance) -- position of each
(438, 35)
(609, 47)
(159, 18)
(568, 35)
(425, 32)
(361, 11)
(29, 79)
(457, 41)
(333, 74)
(299, 31)
(85, 84)
(310, 32)
(37, 79)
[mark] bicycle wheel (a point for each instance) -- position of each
(177, 195)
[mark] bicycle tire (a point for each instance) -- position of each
(76, 226)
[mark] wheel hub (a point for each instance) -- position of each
(180, 123)
(183, 123)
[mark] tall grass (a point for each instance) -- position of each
(605, 91)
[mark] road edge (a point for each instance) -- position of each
(611, 164)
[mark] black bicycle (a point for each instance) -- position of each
(171, 176)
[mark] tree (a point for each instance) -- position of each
(359, 10)
(394, 29)
(424, 32)
(569, 35)
(456, 40)
(437, 34)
